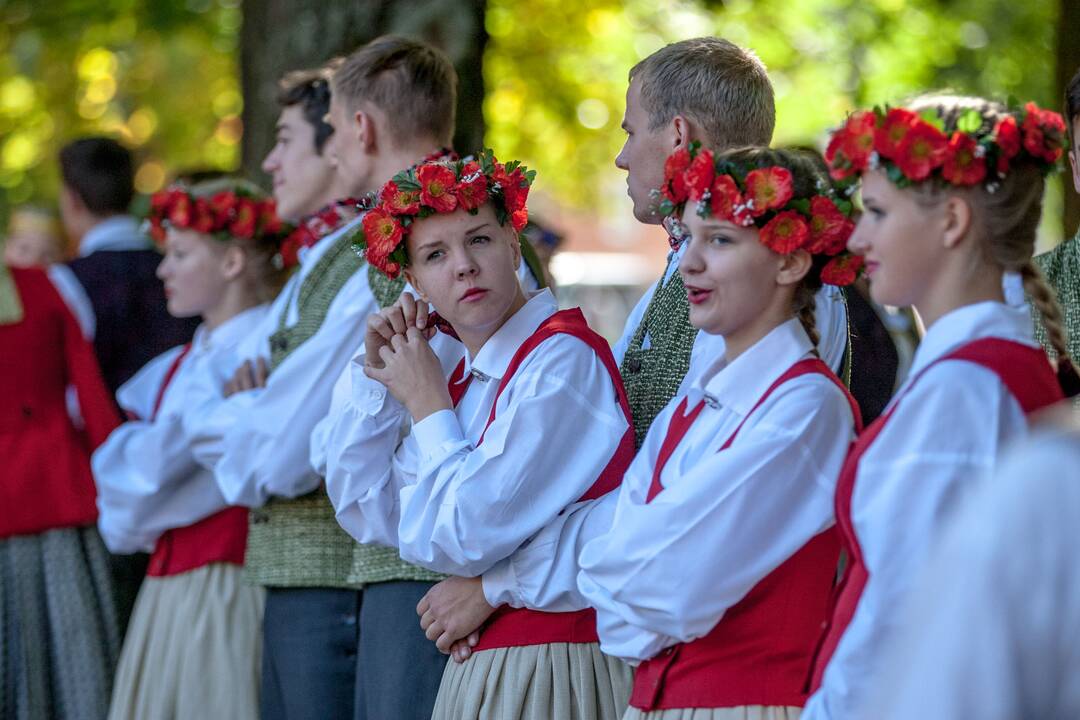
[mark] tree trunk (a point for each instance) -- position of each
(282, 35)
(1068, 62)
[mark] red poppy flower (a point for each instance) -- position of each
(829, 228)
(675, 167)
(842, 270)
(724, 196)
(850, 146)
(290, 247)
(1007, 136)
(785, 233)
(471, 188)
(243, 225)
(180, 210)
(269, 222)
(204, 220)
(519, 219)
(962, 166)
(436, 187)
(161, 201)
(1044, 133)
(222, 206)
(922, 151)
(157, 230)
(768, 189)
(400, 202)
(382, 233)
(888, 138)
(698, 177)
(514, 187)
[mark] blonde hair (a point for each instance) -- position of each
(1006, 219)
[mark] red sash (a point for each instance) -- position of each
(517, 627)
(757, 654)
(222, 537)
(1027, 375)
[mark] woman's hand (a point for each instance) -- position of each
(382, 326)
(451, 615)
(412, 373)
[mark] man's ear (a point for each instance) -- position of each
(366, 128)
(682, 132)
(793, 267)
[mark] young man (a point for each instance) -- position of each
(113, 289)
(1061, 266)
(391, 104)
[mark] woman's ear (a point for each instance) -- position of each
(234, 262)
(956, 220)
(410, 277)
(793, 267)
(515, 246)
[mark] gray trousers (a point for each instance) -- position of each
(398, 669)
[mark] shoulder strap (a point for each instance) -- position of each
(803, 367)
(169, 375)
(1024, 370)
(572, 322)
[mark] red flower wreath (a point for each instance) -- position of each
(226, 215)
(438, 186)
(765, 197)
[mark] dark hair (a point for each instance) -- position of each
(100, 170)
(714, 82)
(1072, 105)
(412, 82)
(310, 89)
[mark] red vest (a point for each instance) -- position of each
(517, 627)
(1027, 375)
(222, 537)
(758, 653)
(45, 480)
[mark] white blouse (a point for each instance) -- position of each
(942, 440)
(257, 442)
(457, 507)
(147, 478)
(665, 572)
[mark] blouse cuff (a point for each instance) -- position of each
(500, 585)
(438, 435)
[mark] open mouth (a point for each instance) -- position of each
(697, 295)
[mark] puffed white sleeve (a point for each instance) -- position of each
(940, 443)
(266, 452)
(669, 569)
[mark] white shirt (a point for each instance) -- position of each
(993, 627)
(665, 572)
(943, 438)
(830, 316)
(456, 507)
(257, 442)
(147, 479)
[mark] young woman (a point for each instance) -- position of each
(532, 419)
(952, 190)
(193, 645)
(58, 628)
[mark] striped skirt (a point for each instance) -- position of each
(59, 638)
(193, 648)
(569, 681)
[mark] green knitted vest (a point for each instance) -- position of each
(652, 375)
(298, 542)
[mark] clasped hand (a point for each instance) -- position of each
(397, 354)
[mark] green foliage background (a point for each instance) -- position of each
(163, 75)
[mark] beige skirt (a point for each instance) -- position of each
(193, 648)
(746, 712)
(569, 681)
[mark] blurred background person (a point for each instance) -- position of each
(35, 238)
(58, 628)
(113, 288)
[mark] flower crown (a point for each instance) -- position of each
(763, 197)
(440, 187)
(234, 213)
(911, 147)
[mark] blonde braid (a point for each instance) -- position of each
(1045, 301)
